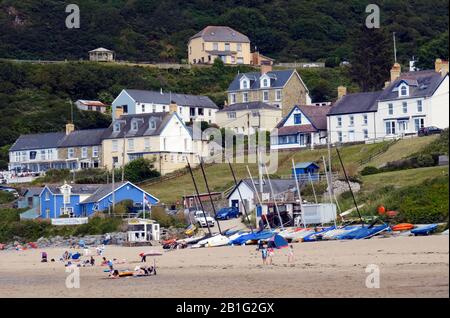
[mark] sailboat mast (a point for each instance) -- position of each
(273, 196)
(349, 186)
(209, 194)
(198, 195)
(257, 196)
(299, 193)
(240, 196)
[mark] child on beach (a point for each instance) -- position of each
(92, 261)
(270, 253)
(264, 255)
(291, 254)
(44, 257)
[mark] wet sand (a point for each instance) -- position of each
(409, 267)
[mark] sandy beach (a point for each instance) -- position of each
(409, 267)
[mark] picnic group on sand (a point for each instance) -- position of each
(268, 252)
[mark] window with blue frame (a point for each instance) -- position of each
(297, 119)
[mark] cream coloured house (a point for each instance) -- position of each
(159, 136)
(231, 46)
(246, 118)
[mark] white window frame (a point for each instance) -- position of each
(232, 98)
(419, 106)
(131, 144)
(147, 143)
(264, 93)
(365, 120)
(95, 151)
(245, 97)
(116, 127)
(278, 95)
(70, 153)
(339, 121)
(405, 107)
(115, 145)
(391, 109)
(84, 152)
(391, 129)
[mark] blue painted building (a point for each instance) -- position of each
(306, 169)
(80, 200)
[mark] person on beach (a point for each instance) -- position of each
(104, 261)
(260, 245)
(291, 254)
(264, 255)
(270, 254)
(114, 274)
(65, 256)
(143, 258)
(110, 265)
(92, 261)
(44, 257)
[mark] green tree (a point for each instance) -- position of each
(140, 169)
(430, 51)
(371, 58)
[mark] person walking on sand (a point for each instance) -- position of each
(270, 254)
(291, 254)
(264, 255)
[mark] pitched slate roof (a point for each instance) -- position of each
(278, 79)
(144, 128)
(143, 96)
(76, 188)
(38, 141)
(221, 34)
(317, 115)
(292, 130)
(33, 191)
(248, 106)
(421, 84)
(102, 191)
(356, 103)
(278, 185)
(86, 137)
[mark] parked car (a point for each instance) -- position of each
(10, 190)
(425, 131)
(200, 219)
(227, 213)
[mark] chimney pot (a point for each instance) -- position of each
(395, 71)
(69, 128)
(173, 107)
(441, 66)
(342, 91)
(266, 68)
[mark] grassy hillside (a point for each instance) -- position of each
(150, 30)
(220, 179)
(402, 149)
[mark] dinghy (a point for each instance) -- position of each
(317, 235)
(364, 232)
(217, 240)
(424, 229)
(251, 237)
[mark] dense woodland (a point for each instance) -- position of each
(154, 30)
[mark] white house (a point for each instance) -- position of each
(249, 198)
(190, 107)
(409, 102)
(304, 126)
(413, 101)
(353, 118)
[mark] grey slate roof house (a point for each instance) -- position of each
(75, 149)
(190, 107)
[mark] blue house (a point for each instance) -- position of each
(81, 200)
(306, 169)
(30, 200)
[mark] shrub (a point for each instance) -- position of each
(369, 170)
(140, 169)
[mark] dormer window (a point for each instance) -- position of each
(244, 84)
(265, 82)
(116, 127)
(134, 126)
(152, 124)
(403, 90)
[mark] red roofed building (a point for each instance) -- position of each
(304, 126)
(91, 105)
